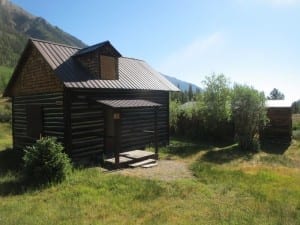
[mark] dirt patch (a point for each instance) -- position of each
(166, 170)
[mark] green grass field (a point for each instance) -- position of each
(5, 74)
(229, 187)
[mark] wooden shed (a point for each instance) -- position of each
(279, 127)
(95, 101)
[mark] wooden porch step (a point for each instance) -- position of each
(122, 160)
(150, 165)
(137, 154)
(142, 163)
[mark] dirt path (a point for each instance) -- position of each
(166, 170)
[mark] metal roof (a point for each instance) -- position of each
(278, 104)
(133, 73)
(95, 47)
(125, 103)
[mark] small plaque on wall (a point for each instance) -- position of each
(116, 116)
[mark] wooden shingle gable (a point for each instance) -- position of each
(101, 60)
(32, 75)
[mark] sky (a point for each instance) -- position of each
(253, 42)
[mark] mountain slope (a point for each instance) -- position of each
(17, 25)
(182, 85)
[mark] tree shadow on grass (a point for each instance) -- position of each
(10, 160)
(226, 155)
(11, 179)
(277, 147)
(185, 148)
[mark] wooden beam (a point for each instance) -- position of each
(117, 136)
(67, 120)
(13, 121)
(155, 131)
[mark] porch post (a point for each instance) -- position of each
(117, 136)
(155, 132)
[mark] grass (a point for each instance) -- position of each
(230, 187)
(5, 74)
(5, 136)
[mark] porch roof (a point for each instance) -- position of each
(127, 103)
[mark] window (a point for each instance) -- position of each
(108, 68)
(34, 115)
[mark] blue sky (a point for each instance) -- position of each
(254, 42)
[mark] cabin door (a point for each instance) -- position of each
(109, 133)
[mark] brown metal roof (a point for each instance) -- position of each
(133, 73)
(125, 103)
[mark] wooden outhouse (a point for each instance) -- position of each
(279, 127)
(94, 100)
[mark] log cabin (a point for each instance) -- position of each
(95, 101)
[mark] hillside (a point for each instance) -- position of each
(182, 85)
(17, 25)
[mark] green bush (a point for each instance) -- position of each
(248, 114)
(207, 117)
(5, 112)
(296, 134)
(45, 162)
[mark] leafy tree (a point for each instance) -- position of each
(296, 107)
(216, 98)
(248, 114)
(275, 94)
(190, 92)
(174, 114)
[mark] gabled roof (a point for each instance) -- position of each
(133, 73)
(96, 47)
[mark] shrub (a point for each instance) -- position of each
(296, 134)
(174, 115)
(249, 114)
(45, 162)
(5, 112)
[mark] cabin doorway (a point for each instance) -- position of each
(109, 132)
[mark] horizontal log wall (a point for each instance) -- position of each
(133, 121)
(279, 126)
(87, 128)
(53, 118)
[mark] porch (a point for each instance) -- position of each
(114, 110)
(134, 158)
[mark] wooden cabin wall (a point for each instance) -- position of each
(133, 124)
(53, 118)
(279, 126)
(133, 121)
(87, 128)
